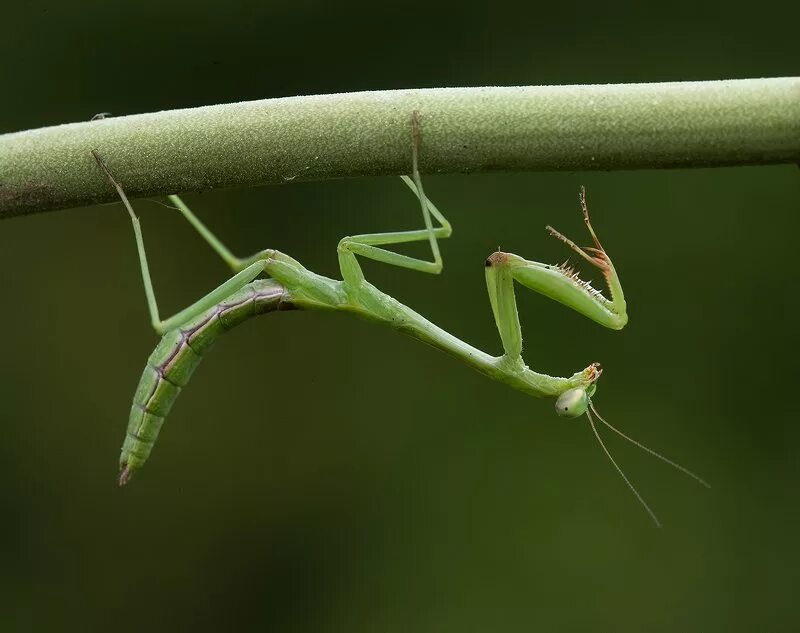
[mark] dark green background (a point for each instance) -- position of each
(324, 474)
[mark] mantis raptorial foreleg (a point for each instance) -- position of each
(560, 283)
(563, 284)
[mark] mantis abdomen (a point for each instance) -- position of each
(174, 360)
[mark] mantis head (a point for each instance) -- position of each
(575, 402)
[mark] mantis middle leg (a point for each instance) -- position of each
(366, 245)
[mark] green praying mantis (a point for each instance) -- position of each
(187, 335)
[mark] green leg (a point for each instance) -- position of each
(366, 245)
(212, 298)
(500, 284)
(226, 289)
(234, 263)
(560, 283)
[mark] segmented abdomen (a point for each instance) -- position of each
(177, 356)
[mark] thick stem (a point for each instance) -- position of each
(627, 126)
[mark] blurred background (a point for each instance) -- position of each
(325, 474)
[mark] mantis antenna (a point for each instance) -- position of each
(188, 335)
(686, 471)
(622, 474)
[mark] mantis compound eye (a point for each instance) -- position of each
(572, 403)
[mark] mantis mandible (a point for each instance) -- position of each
(187, 335)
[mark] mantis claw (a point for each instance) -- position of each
(601, 260)
(585, 209)
(598, 255)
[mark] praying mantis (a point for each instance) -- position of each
(188, 335)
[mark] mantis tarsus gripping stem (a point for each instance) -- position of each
(366, 245)
(190, 333)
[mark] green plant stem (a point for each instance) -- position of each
(626, 126)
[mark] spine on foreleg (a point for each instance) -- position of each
(174, 360)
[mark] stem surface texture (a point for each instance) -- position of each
(603, 127)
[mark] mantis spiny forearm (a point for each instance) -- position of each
(188, 334)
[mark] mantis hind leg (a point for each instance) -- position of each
(238, 281)
(236, 264)
(367, 245)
